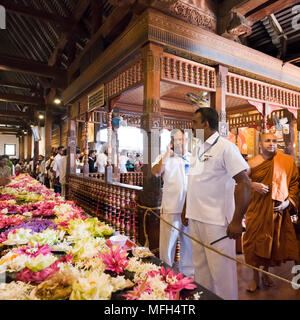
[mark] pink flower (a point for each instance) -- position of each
(143, 286)
(179, 282)
(34, 251)
(26, 275)
(115, 260)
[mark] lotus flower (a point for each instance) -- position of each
(115, 259)
(34, 251)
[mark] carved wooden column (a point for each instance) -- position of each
(218, 98)
(264, 120)
(86, 147)
(29, 145)
(48, 131)
(151, 119)
(289, 138)
(108, 168)
(21, 144)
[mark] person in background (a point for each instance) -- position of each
(31, 167)
(138, 163)
(42, 164)
(62, 167)
(122, 161)
(19, 168)
(101, 162)
(58, 157)
(49, 173)
(10, 164)
(91, 160)
(78, 164)
(5, 171)
(172, 166)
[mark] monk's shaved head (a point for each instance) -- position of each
(268, 144)
(266, 135)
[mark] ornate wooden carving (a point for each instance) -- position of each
(132, 76)
(193, 15)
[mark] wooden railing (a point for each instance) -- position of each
(244, 87)
(183, 71)
(114, 203)
(132, 178)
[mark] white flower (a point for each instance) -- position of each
(15, 290)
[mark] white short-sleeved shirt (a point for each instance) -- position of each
(210, 191)
(56, 166)
(122, 163)
(101, 162)
(175, 183)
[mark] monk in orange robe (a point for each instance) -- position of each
(270, 237)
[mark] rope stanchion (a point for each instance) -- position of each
(151, 210)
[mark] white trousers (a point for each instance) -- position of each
(213, 271)
(167, 243)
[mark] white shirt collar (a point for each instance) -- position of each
(212, 138)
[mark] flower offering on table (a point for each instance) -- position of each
(52, 250)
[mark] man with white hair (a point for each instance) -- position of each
(173, 167)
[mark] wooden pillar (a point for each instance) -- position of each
(86, 147)
(29, 145)
(21, 148)
(265, 119)
(108, 168)
(151, 119)
(218, 99)
(48, 131)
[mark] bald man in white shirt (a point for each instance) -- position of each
(212, 209)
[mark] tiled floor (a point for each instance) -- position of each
(280, 291)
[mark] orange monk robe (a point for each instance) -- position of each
(270, 237)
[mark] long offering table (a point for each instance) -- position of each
(50, 249)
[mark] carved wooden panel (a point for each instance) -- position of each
(251, 120)
(55, 136)
(249, 88)
(98, 116)
(187, 72)
(171, 124)
(64, 133)
(132, 76)
(83, 105)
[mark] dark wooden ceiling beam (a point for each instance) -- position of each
(3, 120)
(16, 64)
(11, 7)
(12, 114)
(10, 130)
(268, 8)
(109, 24)
(10, 84)
(17, 98)
(97, 15)
(79, 10)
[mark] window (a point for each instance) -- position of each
(10, 149)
